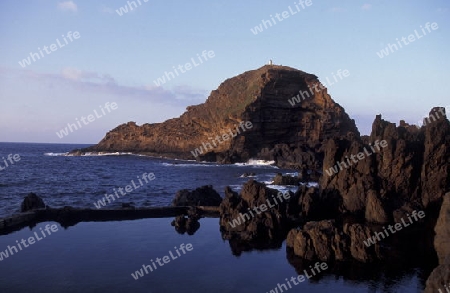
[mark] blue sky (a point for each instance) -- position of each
(117, 58)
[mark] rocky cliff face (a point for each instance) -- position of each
(440, 277)
(442, 229)
(411, 172)
(290, 133)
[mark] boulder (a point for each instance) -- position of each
(279, 179)
(202, 196)
(247, 174)
(32, 202)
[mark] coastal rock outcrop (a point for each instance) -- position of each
(32, 202)
(257, 213)
(383, 184)
(279, 179)
(289, 111)
(202, 196)
(325, 241)
(439, 278)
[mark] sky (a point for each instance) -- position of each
(98, 55)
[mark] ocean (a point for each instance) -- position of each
(106, 256)
(79, 181)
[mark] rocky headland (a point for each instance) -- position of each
(290, 135)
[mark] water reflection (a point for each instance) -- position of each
(186, 224)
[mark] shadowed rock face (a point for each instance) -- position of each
(439, 279)
(289, 134)
(31, 202)
(411, 173)
(327, 242)
(239, 220)
(202, 196)
(442, 229)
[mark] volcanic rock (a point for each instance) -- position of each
(411, 172)
(32, 202)
(442, 229)
(248, 174)
(279, 179)
(202, 196)
(439, 279)
(309, 204)
(239, 219)
(325, 241)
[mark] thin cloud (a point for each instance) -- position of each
(366, 6)
(68, 6)
(92, 83)
(71, 73)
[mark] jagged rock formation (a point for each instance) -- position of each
(289, 133)
(411, 173)
(240, 220)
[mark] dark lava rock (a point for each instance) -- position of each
(308, 204)
(442, 229)
(32, 202)
(246, 174)
(411, 172)
(439, 280)
(202, 196)
(279, 179)
(325, 241)
(240, 220)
